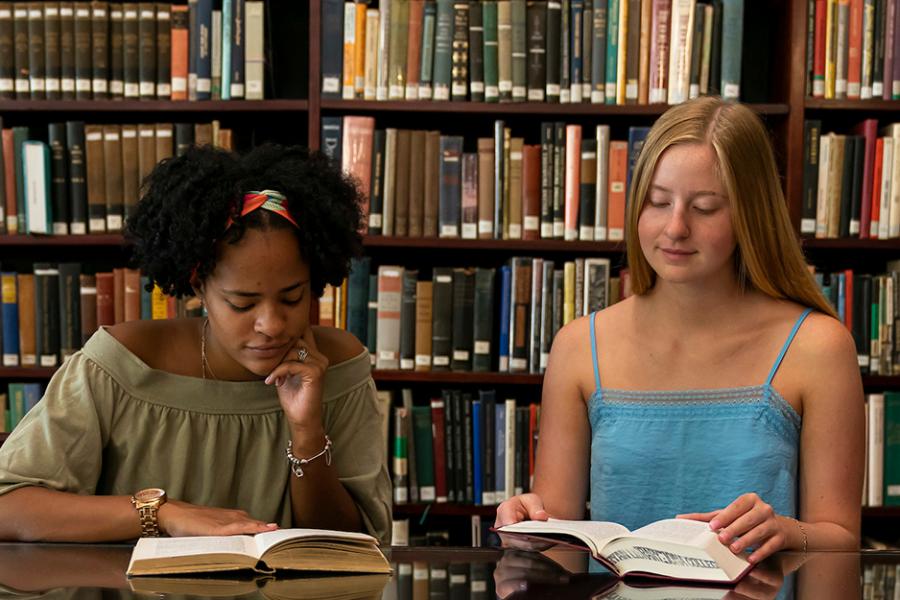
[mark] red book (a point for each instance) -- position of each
(531, 192)
(573, 180)
(132, 294)
(659, 50)
(106, 311)
(818, 74)
(440, 451)
(179, 52)
(876, 188)
(854, 58)
(119, 295)
(618, 172)
(9, 173)
(356, 158)
(869, 130)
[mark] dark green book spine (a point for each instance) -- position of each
(554, 23)
(20, 135)
(483, 320)
(891, 449)
(408, 320)
(463, 314)
(491, 51)
(441, 318)
(536, 16)
(598, 51)
(59, 180)
(421, 417)
(476, 51)
(443, 40)
(69, 309)
(519, 52)
(358, 297)
(77, 178)
(372, 315)
(46, 306)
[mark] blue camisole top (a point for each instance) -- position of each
(656, 454)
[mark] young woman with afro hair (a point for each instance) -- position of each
(243, 421)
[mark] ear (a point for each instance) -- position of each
(198, 287)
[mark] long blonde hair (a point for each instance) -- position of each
(768, 257)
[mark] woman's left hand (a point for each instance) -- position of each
(299, 383)
(746, 522)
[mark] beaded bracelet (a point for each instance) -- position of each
(298, 463)
(803, 533)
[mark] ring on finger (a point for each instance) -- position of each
(302, 354)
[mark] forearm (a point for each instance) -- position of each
(318, 499)
(822, 535)
(35, 514)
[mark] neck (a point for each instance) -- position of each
(218, 364)
(692, 308)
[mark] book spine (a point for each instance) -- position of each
(443, 41)
(52, 56)
(450, 186)
(536, 33)
(573, 180)
(36, 53)
(254, 57)
(20, 49)
(588, 184)
(470, 183)
(7, 52)
(442, 318)
(147, 50)
(440, 444)
(112, 171)
(732, 37)
(398, 35)
(376, 191)
(408, 320)
(423, 325)
(476, 52)
(598, 52)
(554, 20)
(460, 52)
(519, 42)
(426, 72)
(384, 48)
(238, 49)
(370, 74)
(372, 319)
(332, 50)
(491, 50)
(811, 131)
(463, 315)
(59, 178)
(99, 49)
(504, 50)
(10, 318)
(483, 311)
(503, 335)
(390, 285)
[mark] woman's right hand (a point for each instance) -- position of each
(523, 507)
(177, 519)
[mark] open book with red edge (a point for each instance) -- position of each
(671, 549)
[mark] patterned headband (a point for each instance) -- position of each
(266, 199)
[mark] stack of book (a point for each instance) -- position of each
(129, 50)
(572, 186)
(882, 478)
(19, 399)
(597, 51)
(86, 178)
(47, 315)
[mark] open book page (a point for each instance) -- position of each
(268, 540)
(150, 548)
(595, 534)
(623, 591)
(681, 531)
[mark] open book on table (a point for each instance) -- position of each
(290, 549)
(670, 549)
(340, 587)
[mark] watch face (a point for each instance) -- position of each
(149, 495)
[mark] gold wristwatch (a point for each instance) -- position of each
(147, 503)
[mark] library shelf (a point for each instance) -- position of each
(891, 245)
(852, 105)
(178, 106)
(92, 240)
(878, 512)
(27, 372)
(444, 509)
(519, 108)
(881, 382)
(456, 377)
(529, 246)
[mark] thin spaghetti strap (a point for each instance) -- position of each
(787, 343)
(594, 351)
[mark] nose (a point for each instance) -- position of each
(677, 227)
(270, 320)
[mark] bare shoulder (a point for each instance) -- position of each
(575, 336)
(337, 345)
(142, 338)
(823, 340)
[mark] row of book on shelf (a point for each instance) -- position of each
(597, 51)
(853, 49)
(851, 182)
(47, 315)
(467, 319)
(86, 178)
(18, 399)
(880, 581)
(462, 447)
(882, 475)
(420, 580)
(135, 50)
(572, 186)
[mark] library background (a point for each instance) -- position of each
(493, 141)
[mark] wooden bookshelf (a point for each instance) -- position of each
(415, 511)
(855, 244)
(93, 240)
(456, 377)
(881, 512)
(529, 246)
(153, 106)
(819, 104)
(10, 373)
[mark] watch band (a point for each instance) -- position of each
(149, 521)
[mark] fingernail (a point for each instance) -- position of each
(735, 547)
(271, 524)
(714, 524)
(268, 380)
(724, 537)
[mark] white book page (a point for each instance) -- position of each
(679, 531)
(265, 541)
(193, 546)
(593, 533)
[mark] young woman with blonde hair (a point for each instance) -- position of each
(724, 389)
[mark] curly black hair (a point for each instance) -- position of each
(188, 199)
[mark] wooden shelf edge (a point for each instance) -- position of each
(27, 372)
(456, 377)
(880, 512)
(532, 246)
(444, 509)
(112, 106)
(104, 239)
(522, 108)
(851, 105)
(850, 244)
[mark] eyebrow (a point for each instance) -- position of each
(254, 294)
(694, 195)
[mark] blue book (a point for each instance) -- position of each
(146, 299)
(32, 393)
(477, 449)
(732, 48)
(227, 23)
(505, 298)
(330, 139)
(332, 47)
(636, 137)
(612, 49)
(16, 405)
(237, 49)
(200, 51)
(10, 315)
(499, 452)
(576, 45)
(841, 295)
(450, 192)
(358, 297)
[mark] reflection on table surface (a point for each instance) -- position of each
(88, 572)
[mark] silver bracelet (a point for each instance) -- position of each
(297, 463)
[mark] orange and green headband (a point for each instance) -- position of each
(268, 200)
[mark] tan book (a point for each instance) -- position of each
(397, 36)
(225, 140)
(96, 179)
(203, 134)
(254, 54)
(146, 150)
(165, 141)
(423, 325)
(294, 549)
(486, 188)
(88, 285)
(401, 184)
(112, 172)
(622, 59)
(413, 48)
(390, 180)
(531, 192)
(118, 295)
(131, 170)
(370, 73)
(416, 183)
(835, 175)
(132, 295)
(432, 183)
(27, 332)
(504, 50)
(644, 51)
(326, 306)
(347, 89)
(515, 188)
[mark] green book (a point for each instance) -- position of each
(732, 38)
(399, 34)
(491, 51)
(20, 136)
(612, 49)
(892, 449)
(443, 38)
(16, 408)
(424, 455)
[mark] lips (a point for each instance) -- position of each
(267, 351)
(677, 252)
